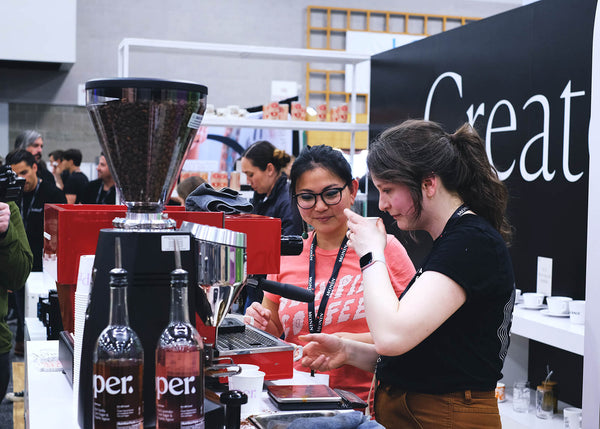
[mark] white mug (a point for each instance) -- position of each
(517, 295)
(532, 299)
(558, 304)
(572, 418)
(577, 312)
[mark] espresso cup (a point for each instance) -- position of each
(577, 312)
(558, 304)
(532, 299)
(572, 418)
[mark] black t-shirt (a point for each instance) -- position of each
(44, 174)
(467, 351)
(94, 193)
(32, 211)
(75, 184)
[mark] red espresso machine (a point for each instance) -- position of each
(145, 127)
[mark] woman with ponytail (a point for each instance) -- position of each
(262, 163)
(438, 350)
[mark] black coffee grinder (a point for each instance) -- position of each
(145, 127)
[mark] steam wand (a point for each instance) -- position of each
(285, 290)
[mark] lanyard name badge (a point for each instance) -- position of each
(315, 322)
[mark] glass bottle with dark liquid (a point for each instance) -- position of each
(118, 364)
(179, 365)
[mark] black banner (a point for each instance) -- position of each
(523, 80)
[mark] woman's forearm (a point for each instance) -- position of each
(361, 355)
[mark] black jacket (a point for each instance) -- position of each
(93, 193)
(279, 204)
(33, 216)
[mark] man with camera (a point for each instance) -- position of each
(37, 192)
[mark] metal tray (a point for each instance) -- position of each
(285, 418)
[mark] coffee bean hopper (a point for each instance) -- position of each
(145, 127)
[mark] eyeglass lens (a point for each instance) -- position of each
(331, 196)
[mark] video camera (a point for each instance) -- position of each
(11, 185)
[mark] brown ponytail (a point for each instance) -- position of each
(263, 153)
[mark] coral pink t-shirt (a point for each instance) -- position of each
(345, 310)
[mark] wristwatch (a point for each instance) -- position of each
(370, 258)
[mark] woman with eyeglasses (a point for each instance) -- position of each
(322, 187)
(439, 350)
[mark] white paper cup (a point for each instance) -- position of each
(577, 312)
(532, 299)
(251, 384)
(572, 418)
(372, 219)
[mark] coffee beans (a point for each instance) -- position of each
(145, 142)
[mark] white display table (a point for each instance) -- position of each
(49, 397)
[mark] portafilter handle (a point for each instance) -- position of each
(213, 367)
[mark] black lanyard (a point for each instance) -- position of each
(457, 213)
(318, 319)
(25, 213)
(103, 199)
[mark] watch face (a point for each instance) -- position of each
(366, 259)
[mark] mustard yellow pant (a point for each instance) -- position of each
(396, 408)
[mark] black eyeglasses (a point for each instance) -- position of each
(330, 196)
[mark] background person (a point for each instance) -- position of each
(76, 180)
(186, 186)
(15, 264)
(323, 187)
(101, 190)
(55, 157)
(32, 142)
(262, 163)
(439, 350)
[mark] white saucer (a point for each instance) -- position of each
(535, 307)
(547, 313)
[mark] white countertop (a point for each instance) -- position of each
(48, 394)
(513, 420)
(555, 331)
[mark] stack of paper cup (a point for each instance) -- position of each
(82, 293)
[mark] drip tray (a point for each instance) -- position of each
(250, 340)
